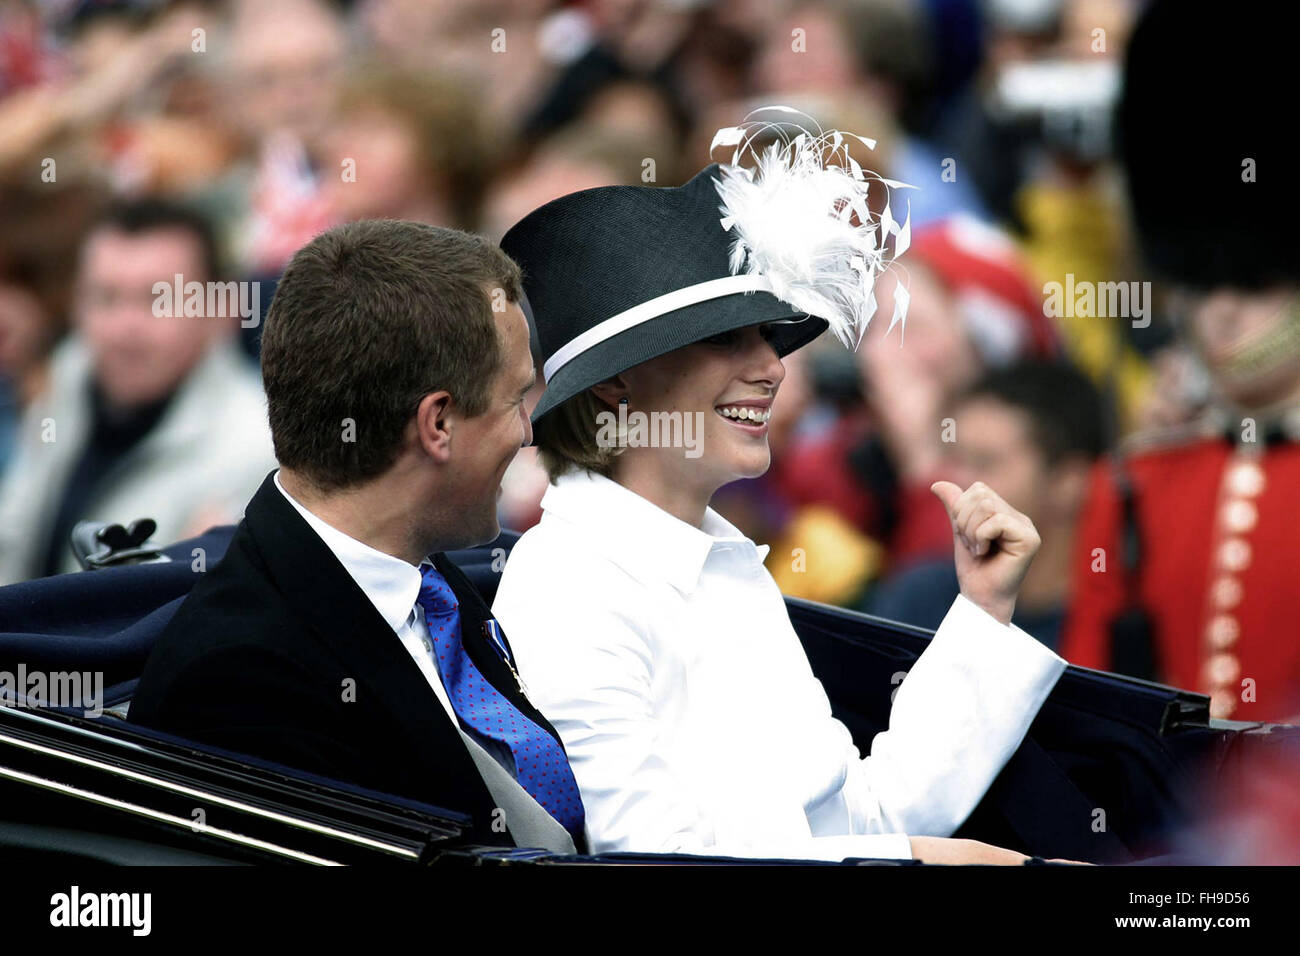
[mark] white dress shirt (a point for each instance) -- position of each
(392, 585)
(665, 658)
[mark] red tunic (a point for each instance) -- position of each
(1219, 575)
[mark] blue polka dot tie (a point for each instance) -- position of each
(540, 763)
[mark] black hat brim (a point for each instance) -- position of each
(674, 330)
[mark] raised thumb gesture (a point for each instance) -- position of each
(992, 545)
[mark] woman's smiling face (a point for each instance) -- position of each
(726, 385)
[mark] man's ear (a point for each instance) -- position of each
(610, 390)
(435, 419)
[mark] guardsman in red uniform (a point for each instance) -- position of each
(1188, 562)
(1188, 568)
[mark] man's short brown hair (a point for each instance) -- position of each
(368, 318)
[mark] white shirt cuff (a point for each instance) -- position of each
(1023, 661)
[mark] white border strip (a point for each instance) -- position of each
(660, 305)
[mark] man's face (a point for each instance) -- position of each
(994, 446)
(484, 446)
(139, 357)
(933, 345)
(1250, 342)
(384, 146)
(287, 59)
(831, 69)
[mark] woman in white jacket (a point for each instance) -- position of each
(645, 626)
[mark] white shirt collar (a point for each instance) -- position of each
(640, 537)
(391, 584)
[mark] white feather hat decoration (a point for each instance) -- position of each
(800, 218)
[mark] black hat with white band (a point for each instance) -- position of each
(618, 275)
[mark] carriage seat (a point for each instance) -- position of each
(106, 621)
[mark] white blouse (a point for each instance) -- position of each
(664, 657)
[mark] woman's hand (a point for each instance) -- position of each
(992, 545)
(960, 852)
(956, 852)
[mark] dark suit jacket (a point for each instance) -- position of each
(256, 658)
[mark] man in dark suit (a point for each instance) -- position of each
(395, 361)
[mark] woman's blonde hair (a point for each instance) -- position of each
(567, 438)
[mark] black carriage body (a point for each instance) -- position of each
(1110, 771)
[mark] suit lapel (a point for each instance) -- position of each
(343, 619)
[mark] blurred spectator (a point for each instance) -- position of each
(1031, 432)
(875, 463)
(1033, 135)
(146, 414)
(405, 145)
(286, 61)
(26, 54)
(40, 229)
(609, 44)
(69, 114)
(643, 111)
(505, 50)
(578, 158)
(987, 277)
(879, 51)
(715, 61)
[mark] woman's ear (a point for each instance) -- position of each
(611, 390)
(433, 425)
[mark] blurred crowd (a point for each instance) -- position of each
(142, 141)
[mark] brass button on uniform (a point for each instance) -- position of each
(1240, 516)
(1223, 631)
(1234, 554)
(1222, 703)
(1246, 479)
(1226, 592)
(1222, 669)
